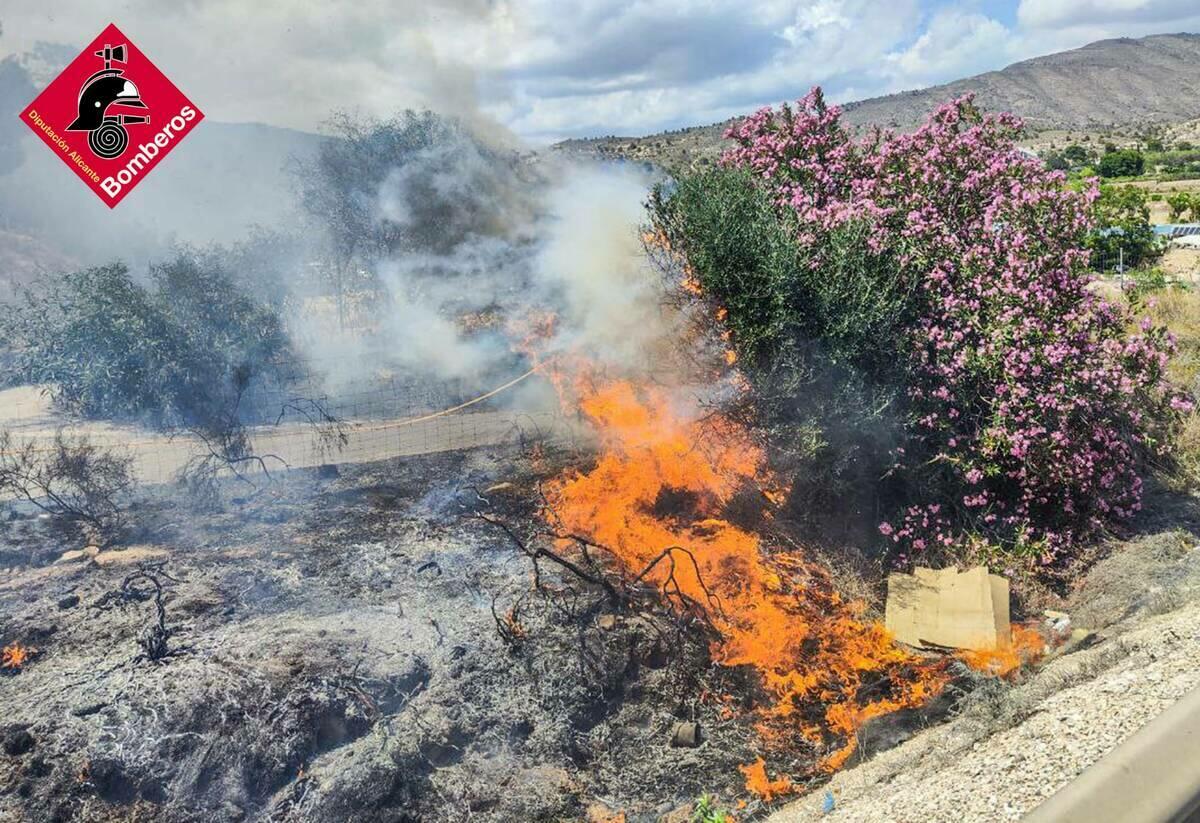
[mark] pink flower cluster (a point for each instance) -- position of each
(1030, 404)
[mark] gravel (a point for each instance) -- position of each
(1075, 710)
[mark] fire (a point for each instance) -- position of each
(761, 785)
(15, 656)
(664, 477)
(1027, 646)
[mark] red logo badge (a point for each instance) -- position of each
(111, 116)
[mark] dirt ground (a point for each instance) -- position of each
(335, 656)
(1182, 264)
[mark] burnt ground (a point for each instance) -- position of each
(334, 656)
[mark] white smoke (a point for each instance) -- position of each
(592, 268)
(489, 236)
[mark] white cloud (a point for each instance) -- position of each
(549, 69)
(954, 44)
(1057, 13)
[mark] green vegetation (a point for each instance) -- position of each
(706, 810)
(1122, 163)
(1184, 206)
(906, 327)
(1071, 159)
(751, 263)
(179, 352)
(1123, 231)
(1179, 163)
(817, 342)
(1147, 281)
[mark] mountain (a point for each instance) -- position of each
(217, 183)
(24, 260)
(1104, 85)
(1109, 83)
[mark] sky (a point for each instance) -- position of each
(548, 69)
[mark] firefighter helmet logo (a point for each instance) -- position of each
(111, 116)
(105, 89)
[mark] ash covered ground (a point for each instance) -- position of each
(335, 654)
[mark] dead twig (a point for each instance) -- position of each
(138, 587)
(624, 592)
(538, 552)
(509, 626)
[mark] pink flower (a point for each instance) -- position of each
(1013, 362)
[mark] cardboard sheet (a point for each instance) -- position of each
(961, 610)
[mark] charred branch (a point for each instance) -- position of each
(147, 583)
(536, 553)
(509, 625)
(621, 590)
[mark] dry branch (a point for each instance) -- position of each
(138, 587)
(626, 591)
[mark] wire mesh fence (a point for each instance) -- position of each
(307, 424)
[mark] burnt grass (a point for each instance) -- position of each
(341, 648)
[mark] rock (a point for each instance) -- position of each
(1078, 640)
(129, 556)
(19, 742)
(69, 602)
(1058, 625)
(685, 735)
(78, 555)
(87, 709)
(600, 813)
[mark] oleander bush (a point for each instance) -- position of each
(944, 274)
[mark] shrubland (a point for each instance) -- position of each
(921, 306)
(178, 351)
(71, 479)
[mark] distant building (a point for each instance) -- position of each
(1173, 230)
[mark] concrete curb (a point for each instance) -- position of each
(1153, 777)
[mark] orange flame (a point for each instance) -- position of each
(1027, 646)
(663, 479)
(758, 783)
(15, 656)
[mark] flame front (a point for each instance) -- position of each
(665, 478)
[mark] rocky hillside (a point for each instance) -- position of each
(1111, 83)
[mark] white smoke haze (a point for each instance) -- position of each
(592, 266)
(486, 229)
(488, 237)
